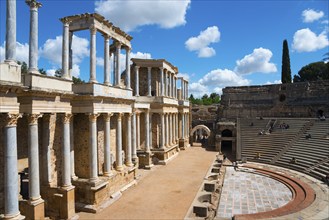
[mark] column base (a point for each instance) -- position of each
(129, 164)
(145, 159)
(67, 204)
(15, 217)
(33, 209)
(119, 168)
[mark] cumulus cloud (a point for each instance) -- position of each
(200, 43)
(275, 82)
(184, 75)
(310, 15)
(129, 15)
(307, 41)
(22, 52)
(257, 61)
(51, 72)
(197, 89)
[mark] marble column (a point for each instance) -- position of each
(172, 85)
(187, 91)
(65, 49)
(46, 148)
(119, 166)
(136, 80)
(73, 176)
(11, 31)
(147, 130)
(107, 66)
(33, 44)
(93, 32)
(150, 135)
(162, 139)
(33, 157)
(10, 184)
(166, 83)
(66, 156)
(149, 81)
(134, 138)
(117, 64)
(128, 149)
(161, 81)
(182, 89)
(177, 127)
(183, 126)
(138, 131)
(128, 50)
(170, 129)
(107, 144)
(169, 84)
(93, 171)
(167, 129)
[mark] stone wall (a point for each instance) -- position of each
(304, 99)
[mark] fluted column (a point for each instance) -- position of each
(138, 131)
(93, 172)
(93, 31)
(166, 83)
(10, 198)
(33, 44)
(117, 64)
(128, 68)
(134, 137)
(46, 150)
(33, 157)
(149, 81)
(73, 176)
(161, 81)
(11, 31)
(107, 144)
(128, 151)
(162, 139)
(177, 128)
(175, 89)
(119, 166)
(150, 135)
(183, 126)
(147, 131)
(172, 85)
(65, 49)
(136, 80)
(187, 91)
(66, 156)
(170, 129)
(107, 66)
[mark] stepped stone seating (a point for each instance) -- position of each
(312, 153)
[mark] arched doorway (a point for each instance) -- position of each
(200, 134)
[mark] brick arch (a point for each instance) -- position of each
(203, 127)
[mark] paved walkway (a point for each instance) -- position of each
(165, 192)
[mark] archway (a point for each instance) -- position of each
(200, 133)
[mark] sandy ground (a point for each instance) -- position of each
(165, 192)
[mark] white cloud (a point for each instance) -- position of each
(223, 78)
(311, 15)
(307, 41)
(75, 70)
(52, 50)
(184, 75)
(22, 52)
(51, 72)
(257, 61)
(200, 43)
(218, 90)
(130, 14)
(99, 61)
(197, 89)
(275, 82)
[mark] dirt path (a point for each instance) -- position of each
(165, 192)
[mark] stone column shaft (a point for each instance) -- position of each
(134, 148)
(65, 50)
(150, 135)
(46, 159)
(128, 68)
(162, 139)
(11, 31)
(107, 66)
(117, 64)
(93, 172)
(73, 176)
(66, 154)
(129, 150)
(119, 166)
(138, 130)
(167, 130)
(33, 44)
(107, 145)
(161, 82)
(149, 81)
(33, 158)
(147, 131)
(183, 126)
(93, 55)
(136, 80)
(10, 199)
(170, 129)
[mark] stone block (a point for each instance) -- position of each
(10, 72)
(33, 210)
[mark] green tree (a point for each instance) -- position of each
(58, 73)
(215, 98)
(285, 71)
(77, 80)
(23, 66)
(312, 72)
(42, 71)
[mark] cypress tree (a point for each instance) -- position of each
(285, 71)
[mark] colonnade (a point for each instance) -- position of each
(184, 89)
(185, 125)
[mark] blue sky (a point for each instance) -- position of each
(213, 43)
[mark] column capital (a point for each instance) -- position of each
(149, 68)
(33, 4)
(106, 36)
(65, 21)
(11, 119)
(161, 68)
(128, 49)
(118, 44)
(93, 117)
(137, 67)
(93, 29)
(33, 118)
(120, 116)
(66, 118)
(107, 116)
